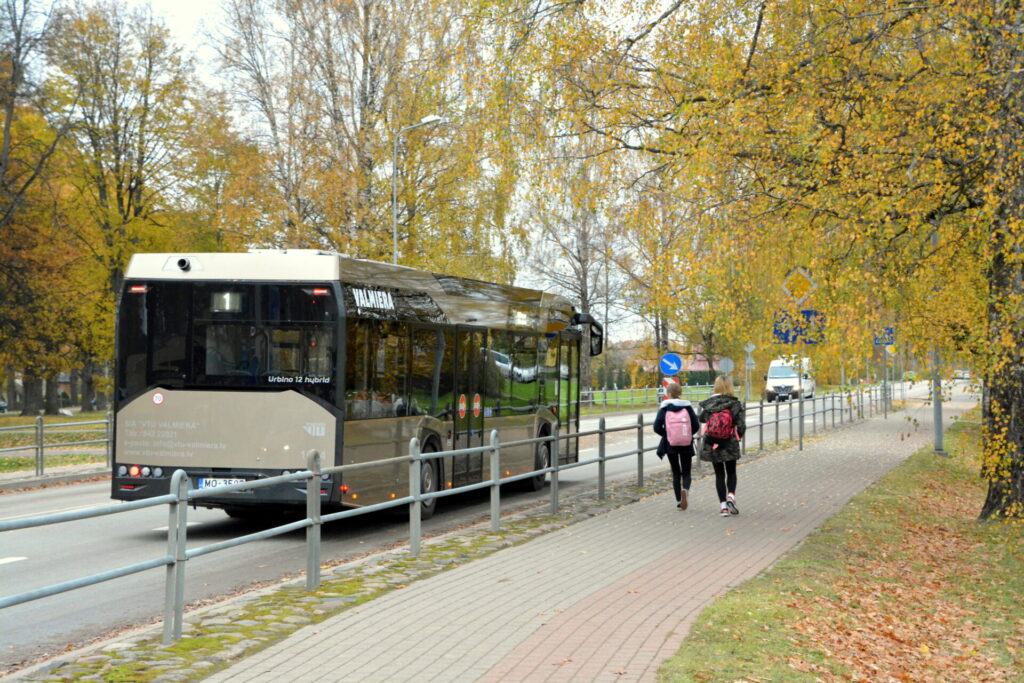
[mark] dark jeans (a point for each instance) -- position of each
(723, 471)
(680, 465)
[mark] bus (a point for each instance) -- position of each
(234, 366)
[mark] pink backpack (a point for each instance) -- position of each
(678, 428)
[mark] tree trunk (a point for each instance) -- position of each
(1003, 409)
(51, 404)
(33, 393)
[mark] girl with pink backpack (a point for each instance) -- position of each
(677, 425)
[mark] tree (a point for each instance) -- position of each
(122, 81)
(879, 144)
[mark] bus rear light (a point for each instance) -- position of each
(146, 471)
(122, 470)
(138, 289)
(133, 471)
(321, 291)
(393, 496)
(343, 488)
(158, 471)
(128, 487)
(354, 496)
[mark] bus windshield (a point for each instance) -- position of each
(195, 335)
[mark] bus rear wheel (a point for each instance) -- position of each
(429, 480)
(541, 458)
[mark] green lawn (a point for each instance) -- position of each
(903, 584)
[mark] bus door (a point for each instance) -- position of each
(569, 396)
(469, 412)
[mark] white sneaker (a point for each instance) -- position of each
(730, 503)
(724, 512)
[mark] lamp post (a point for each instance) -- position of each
(426, 121)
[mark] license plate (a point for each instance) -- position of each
(207, 483)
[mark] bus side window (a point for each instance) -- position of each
(357, 370)
(431, 371)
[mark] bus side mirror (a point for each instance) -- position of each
(596, 332)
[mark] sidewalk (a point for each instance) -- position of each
(606, 599)
(61, 474)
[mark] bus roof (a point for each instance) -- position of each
(462, 300)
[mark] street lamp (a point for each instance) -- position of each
(426, 121)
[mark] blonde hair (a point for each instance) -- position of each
(674, 390)
(723, 385)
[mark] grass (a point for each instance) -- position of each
(54, 435)
(903, 584)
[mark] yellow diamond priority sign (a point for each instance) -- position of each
(799, 284)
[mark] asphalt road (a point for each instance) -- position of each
(42, 556)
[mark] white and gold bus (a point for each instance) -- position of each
(233, 366)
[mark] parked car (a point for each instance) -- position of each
(784, 381)
(3, 405)
(962, 373)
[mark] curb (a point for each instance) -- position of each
(18, 483)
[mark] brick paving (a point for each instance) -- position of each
(606, 599)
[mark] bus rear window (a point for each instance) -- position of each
(227, 335)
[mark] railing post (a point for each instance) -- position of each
(39, 445)
(600, 459)
(640, 450)
(760, 424)
(313, 514)
(495, 482)
(414, 492)
(177, 527)
(800, 415)
(776, 420)
(554, 470)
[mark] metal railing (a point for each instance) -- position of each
(41, 429)
(845, 406)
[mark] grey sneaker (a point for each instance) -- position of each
(730, 503)
(724, 512)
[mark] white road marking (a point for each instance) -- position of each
(54, 512)
(8, 560)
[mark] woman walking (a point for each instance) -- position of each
(722, 417)
(676, 424)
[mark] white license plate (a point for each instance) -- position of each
(206, 483)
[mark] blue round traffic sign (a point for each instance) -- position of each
(671, 364)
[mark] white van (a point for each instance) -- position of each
(783, 380)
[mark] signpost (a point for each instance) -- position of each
(808, 327)
(887, 339)
(748, 369)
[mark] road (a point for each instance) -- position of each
(42, 556)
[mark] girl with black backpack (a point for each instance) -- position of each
(676, 424)
(724, 426)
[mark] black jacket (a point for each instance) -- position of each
(730, 450)
(675, 405)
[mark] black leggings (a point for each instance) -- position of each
(680, 465)
(722, 471)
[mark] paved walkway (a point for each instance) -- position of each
(607, 599)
